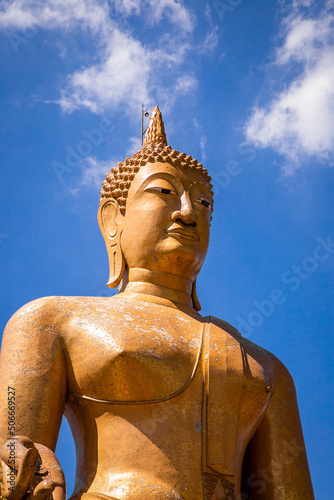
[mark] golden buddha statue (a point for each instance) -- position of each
(162, 402)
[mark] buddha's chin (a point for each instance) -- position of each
(169, 255)
(177, 258)
(178, 247)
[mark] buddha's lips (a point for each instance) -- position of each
(184, 233)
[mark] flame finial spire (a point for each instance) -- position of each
(156, 129)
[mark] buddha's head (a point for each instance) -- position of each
(155, 211)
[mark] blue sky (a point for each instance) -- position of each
(247, 88)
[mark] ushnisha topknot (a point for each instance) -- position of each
(155, 149)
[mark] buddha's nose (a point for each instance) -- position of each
(186, 212)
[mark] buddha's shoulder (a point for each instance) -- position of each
(249, 349)
(60, 308)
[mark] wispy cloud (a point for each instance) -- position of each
(128, 7)
(298, 121)
(134, 145)
(167, 97)
(93, 173)
(156, 10)
(202, 140)
(211, 41)
(185, 83)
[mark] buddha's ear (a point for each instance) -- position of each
(110, 218)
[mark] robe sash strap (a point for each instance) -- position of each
(233, 380)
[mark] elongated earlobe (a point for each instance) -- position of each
(116, 264)
(109, 218)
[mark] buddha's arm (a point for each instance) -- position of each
(32, 376)
(275, 465)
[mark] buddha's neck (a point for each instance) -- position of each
(159, 284)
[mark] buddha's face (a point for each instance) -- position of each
(167, 221)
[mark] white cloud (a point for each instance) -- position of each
(125, 70)
(128, 7)
(185, 83)
(88, 13)
(123, 74)
(173, 10)
(155, 10)
(298, 122)
(50, 14)
(305, 39)
(302, 3)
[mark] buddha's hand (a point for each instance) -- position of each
(31, 471)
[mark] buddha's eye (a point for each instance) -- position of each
(162, 190)
(165, 191)
(204, 202)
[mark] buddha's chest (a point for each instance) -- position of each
(134, 356)
(141, 358)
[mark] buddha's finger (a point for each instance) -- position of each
(16, 449)
(55, 473)
(44, 489)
